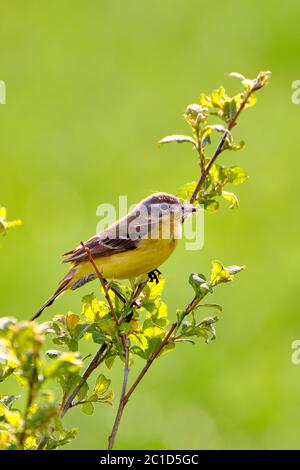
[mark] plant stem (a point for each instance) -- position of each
(230, 125)
(42, 442)
(149, 363)
(123, 401)
(102, 281)
(95, 362)
(191, 306)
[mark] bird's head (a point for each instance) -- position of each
(163, 206)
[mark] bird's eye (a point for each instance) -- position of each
(164, 206)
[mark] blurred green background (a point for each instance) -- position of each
(91, 88)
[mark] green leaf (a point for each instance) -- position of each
(107, 327)
(154, 291)
(93, 309)
(9, 400)
(261, 80)
(210, 205)
(236, 175)
(67, 362)
(206, 329)
(189, 329)
(4, 224)
(168, 348)
(102, 385)
(178, 138)
(71, 321)
(200, 285)
(232, 198)
(207, 130)
(109, 361)
(180, 316)
(151, 330)
(98, 337)
(184, 340)
(30, 443)
(125, 327)
(140, 340)
(215, 127)
(216, 306)
(230, 109)
(237, 75)
(153, 344)
(88, 408)
(218, 97)
(239, 146)
(83, 391)
(60, 436)
(220, 273)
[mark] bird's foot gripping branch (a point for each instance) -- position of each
(125, 322)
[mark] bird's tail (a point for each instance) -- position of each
(63, 286)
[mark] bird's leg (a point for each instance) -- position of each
(153, 276)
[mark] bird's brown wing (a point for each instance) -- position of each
(100, 246)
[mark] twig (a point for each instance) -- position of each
(149, 362)
(219, 148)
(42, 443)
(191, 306)
(123, 401)
(102, 281)
(95, 362)
(115, 291)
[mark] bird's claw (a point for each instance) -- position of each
(153, 276)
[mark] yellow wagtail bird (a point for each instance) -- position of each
(131, 248)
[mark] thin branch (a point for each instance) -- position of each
(149, 362)
(219, 148)
(191, 306)
(115, 291)
(95, 362)
(123, 401)
(102, 281)
(42, 443)
(81, 402)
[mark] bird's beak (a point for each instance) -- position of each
(187, 209)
